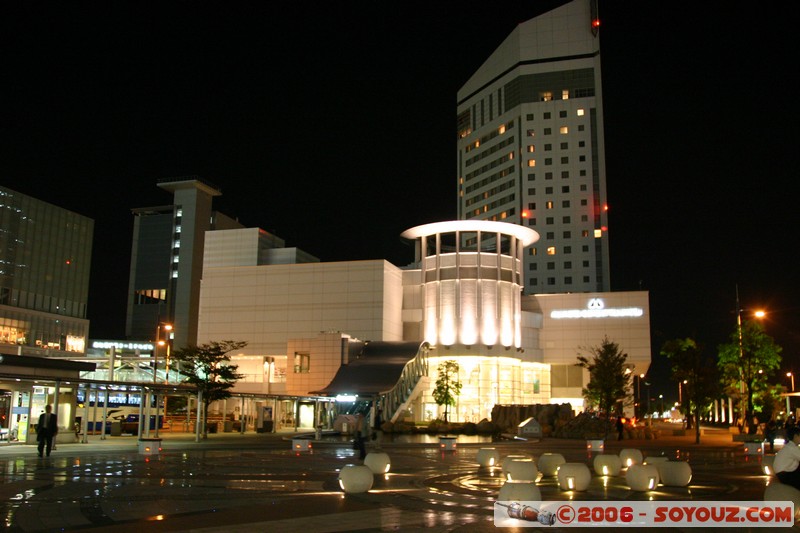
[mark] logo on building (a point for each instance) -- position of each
(596, 308)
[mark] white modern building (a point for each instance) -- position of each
(531, 147)
(372, 329)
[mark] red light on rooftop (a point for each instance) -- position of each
(605, 207)
(596, 23)
(604, 228)
(525, 214)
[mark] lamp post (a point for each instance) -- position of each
(788, 404)
(159, 342)
(167, 328)
(758, 313)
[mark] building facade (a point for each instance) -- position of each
(461, 300)
(531, 147)
(45, 260)
(167, 260)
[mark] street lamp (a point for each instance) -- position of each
(788, 404)
(758, 313)
(159, 342)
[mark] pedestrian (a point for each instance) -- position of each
(362, 430)
(46, 430)
(787, 459)
(620, 427)
(770, 430)
(377, 432)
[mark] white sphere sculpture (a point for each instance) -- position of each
(521, 470)
(574, 476)
(488, 457)
(642, 478)
(674, 473)
(378, 462)
(607, 464)
(355, 478)
(549, 462)
(631, 456)
(519, 491)
(508, 459)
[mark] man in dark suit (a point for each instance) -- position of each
(46, 429)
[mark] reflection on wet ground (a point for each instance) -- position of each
(261, 484)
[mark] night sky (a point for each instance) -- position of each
(332, 125)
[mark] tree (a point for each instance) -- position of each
(749, 360)
(206, 367)
(609, 378)
(697, 374)
(448, 386)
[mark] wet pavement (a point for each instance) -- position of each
(255, 482)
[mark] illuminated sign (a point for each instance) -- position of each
(596, 308)
(346, 397)
(122, 345)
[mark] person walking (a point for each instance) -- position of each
(362, 431)
(46, 430)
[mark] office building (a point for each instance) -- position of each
(167, 259)
(531, 147)
(45, 260)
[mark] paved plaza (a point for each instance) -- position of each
(255, 482)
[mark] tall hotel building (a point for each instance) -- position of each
(531, 149)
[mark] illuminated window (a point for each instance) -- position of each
(302, 363)
(531, 133)
(598, 233)
(531, 148)
(531, 162)
(175, 259)
(174, 273)
(502, 129)
(565, 95)
(580, 112)
(546, 96)
(563, 130)
(532, 251)
(548, 205)
(177, 243)
(585, 233)
(551, 250)
(177, 229)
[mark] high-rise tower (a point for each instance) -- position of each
(167, 259)
(531, 148)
